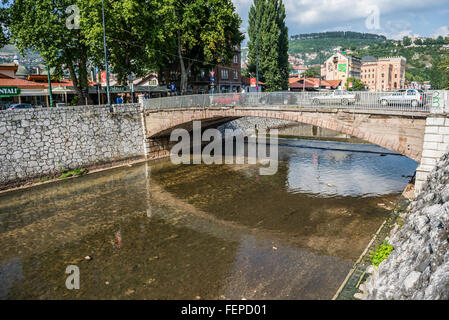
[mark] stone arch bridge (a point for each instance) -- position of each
(418, 131)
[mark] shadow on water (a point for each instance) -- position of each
(160, 231)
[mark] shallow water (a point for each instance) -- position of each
(160, 231)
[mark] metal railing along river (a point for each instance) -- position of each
(394, 101)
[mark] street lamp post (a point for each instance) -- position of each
(49, 86)
(257, 48)
(108, 92)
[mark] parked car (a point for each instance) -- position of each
(335, 97)
(411, 97)
(278, 98)
(21, 106)
(227, 99)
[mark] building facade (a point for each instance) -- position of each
(222, 78)
(341, 66)
(383, 74)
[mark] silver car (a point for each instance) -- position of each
(335, 97)
(410, 97)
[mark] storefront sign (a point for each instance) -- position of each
(9, 92)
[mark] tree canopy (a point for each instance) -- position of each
(268, 43)
(141, 35)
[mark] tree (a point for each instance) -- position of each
(444, 68)
(418, 42)
(357, 85)
(312, 72)
(40, 26)
(268, 39)
(199, 33)
(132, 34)
(406, 41)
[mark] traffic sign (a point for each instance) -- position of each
(212, 79)
(253, 82)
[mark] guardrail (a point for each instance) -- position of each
(393, 101)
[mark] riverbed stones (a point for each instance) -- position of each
(418, 267)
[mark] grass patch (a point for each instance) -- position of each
(381, 253)
(44, 179)
(73, 173)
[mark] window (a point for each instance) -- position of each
(224, 74)
(236, 75)
(236, 59)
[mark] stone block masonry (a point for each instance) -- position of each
(436, 144)
(42, 142)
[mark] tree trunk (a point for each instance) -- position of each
(183, 68)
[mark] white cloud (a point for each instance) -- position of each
(441, 31)
(325, 14)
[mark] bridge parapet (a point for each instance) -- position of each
(392, 101)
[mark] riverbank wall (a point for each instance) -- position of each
(43, 142)
(418, 267)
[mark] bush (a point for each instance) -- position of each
(381, 253)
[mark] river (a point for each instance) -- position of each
(163, 231)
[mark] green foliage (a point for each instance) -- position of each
(338, 34)
(380, 254)
(357, 85)
(406, 41)
(141, 36)
(444, 68)
(312, 72)
(268, 39)
(73, 173)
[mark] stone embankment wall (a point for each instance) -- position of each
(42, 142)
(418, 267)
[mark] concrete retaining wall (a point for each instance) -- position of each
(44, 141)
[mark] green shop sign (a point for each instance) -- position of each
(6, 92)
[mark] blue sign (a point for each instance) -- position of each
(173, 87)
(212, 79)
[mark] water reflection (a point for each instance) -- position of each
(328, 169)
(159, 231)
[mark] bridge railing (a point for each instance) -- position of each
(394, 101)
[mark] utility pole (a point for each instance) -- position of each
(49, 86)
(320, 70)
(108, 92)
(257, 46)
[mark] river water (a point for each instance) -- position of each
(163, 231)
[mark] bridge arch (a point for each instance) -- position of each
(399, 133)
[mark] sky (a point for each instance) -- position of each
(392, 18)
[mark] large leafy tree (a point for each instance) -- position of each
(133, 30)
(198, 33)
(268, 41)
(41, 26)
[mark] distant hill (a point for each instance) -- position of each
(338, 34)
(326, 42)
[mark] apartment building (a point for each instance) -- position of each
(383, 74)
(341, 66)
